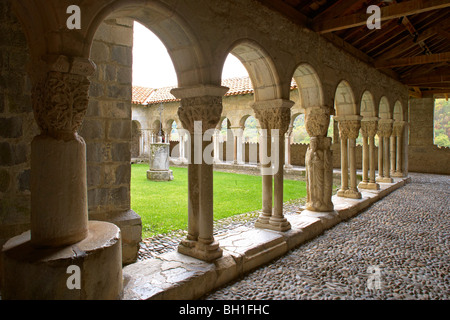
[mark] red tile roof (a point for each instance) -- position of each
(238, 86)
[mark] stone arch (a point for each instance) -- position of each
(173, 31)
(309, 86)
(367, 109)
(384, 108)
(260, 67)
(344, 101)
(398, 111)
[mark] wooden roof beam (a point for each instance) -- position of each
(410, 61)
(389, 12)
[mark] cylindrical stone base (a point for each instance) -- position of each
(94, 265)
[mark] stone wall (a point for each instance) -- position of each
(423, 154)
(17, 127)
(107, 132)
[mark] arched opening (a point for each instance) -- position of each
(384, 109)
(250, 125)
(299, 134)
(398, 111)
(260, 69)
(309, 86)
(344, 101)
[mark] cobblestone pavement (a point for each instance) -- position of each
(396, 249)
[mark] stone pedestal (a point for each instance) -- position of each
(43, 273)
(159, 162)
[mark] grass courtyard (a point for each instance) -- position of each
(163, 205)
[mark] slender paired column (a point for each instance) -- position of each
(319, 161)
(384, 133)
(200, 111)
(287, 147)
(238, 134)
(368, 131)
(398, 129)
(348, 132)
(216, 141)
(274, 117)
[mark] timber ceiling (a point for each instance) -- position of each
(413, 44)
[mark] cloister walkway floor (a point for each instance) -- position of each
(400, 242)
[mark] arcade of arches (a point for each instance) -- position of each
(67, 109)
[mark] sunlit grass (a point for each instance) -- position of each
(163, 205)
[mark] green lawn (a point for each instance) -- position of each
(163, 205)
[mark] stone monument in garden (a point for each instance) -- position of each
(159, 158)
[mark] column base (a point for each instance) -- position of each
(369, 185)
(30, 273)
(384, 180)
(203, 251)
(276, 224)
(160, 175)
(397, 174)
(348, 193)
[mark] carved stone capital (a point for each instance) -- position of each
(349, 129)
(206, 109)
(369, 128)
(60, 101)
(60, 94)
(317, 121)
(398, 127)
(384, 128)
(274, 114)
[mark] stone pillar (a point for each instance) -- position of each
(384, 133)
(216, 142)
(398, 129)
(287, 147)
(35, 263)
(368, 130)
(200, 110)
(274, 117)
(348, 132)
(319, 161)
(238, 134)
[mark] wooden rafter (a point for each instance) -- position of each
(389, 12)
(409, 61)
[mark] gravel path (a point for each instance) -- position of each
(396, 249)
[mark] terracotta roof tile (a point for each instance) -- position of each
(238, 86)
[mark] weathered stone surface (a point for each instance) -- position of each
(42, 273)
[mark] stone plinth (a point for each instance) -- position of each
(159, 162)
(42, 273)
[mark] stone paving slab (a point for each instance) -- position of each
(176, 276)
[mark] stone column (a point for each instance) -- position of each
(384, 133)
(216, 142)
(200, 110)
(348, 131)
(398, 130)
(238, 134)
(319, 161)
(274, 117)
(368, 131)
(287, 147)
(35, 263)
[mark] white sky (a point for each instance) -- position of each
(153, 68)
